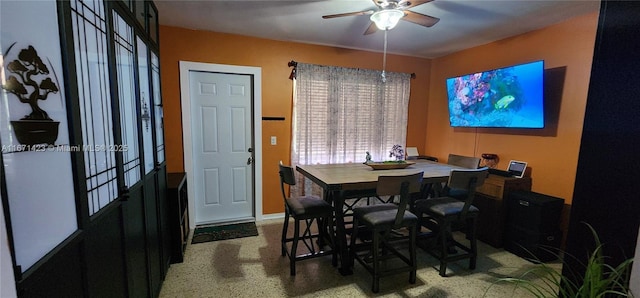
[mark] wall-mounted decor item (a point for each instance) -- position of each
(146, 117)
(30, 81)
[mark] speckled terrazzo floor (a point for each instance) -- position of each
(253, 267)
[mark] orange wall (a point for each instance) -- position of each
(551, 153)
(178, 44)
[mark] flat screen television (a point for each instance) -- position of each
(508, 97)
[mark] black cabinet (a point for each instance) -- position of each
(533, 221)
(534, 211)
(490, 199)
(178, 203)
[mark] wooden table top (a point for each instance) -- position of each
(361, 176)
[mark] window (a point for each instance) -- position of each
(342, 113)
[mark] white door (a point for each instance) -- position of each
(221, 125)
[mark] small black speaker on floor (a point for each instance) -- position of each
(532, 229)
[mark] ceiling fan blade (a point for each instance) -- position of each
(372, 29)
(412, 3)
(420, 19)
(357, 13)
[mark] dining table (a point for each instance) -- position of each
(348, 180)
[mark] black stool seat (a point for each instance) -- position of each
(309, 206)
(383, 215)
(444, 206)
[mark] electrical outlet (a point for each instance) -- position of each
(274, 140)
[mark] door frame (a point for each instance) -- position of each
(256, 107)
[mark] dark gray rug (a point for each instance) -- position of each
(215, 233)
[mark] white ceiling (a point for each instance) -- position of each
(463, 23)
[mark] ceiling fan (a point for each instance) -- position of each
(390, 9)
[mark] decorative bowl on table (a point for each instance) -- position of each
(389, 165)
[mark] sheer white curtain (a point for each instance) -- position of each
(340, 113)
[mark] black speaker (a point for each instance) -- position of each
(532, 228)
(533, 211)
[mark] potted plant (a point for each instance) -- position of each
(30, 83)
(397, 151)
(599, 280)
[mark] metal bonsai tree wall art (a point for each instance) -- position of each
(31, 83)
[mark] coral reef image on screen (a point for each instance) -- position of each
(505, 97)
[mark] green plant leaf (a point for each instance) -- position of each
(600, 279)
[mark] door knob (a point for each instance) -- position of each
(250, 160)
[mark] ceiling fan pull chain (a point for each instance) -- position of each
(384, 58)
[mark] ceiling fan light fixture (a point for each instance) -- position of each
(387, 19)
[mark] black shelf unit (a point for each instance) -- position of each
(178, 203)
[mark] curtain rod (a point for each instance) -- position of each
(294, 64)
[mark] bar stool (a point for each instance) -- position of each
(382, 220)
(307, 209)
(444, 215)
